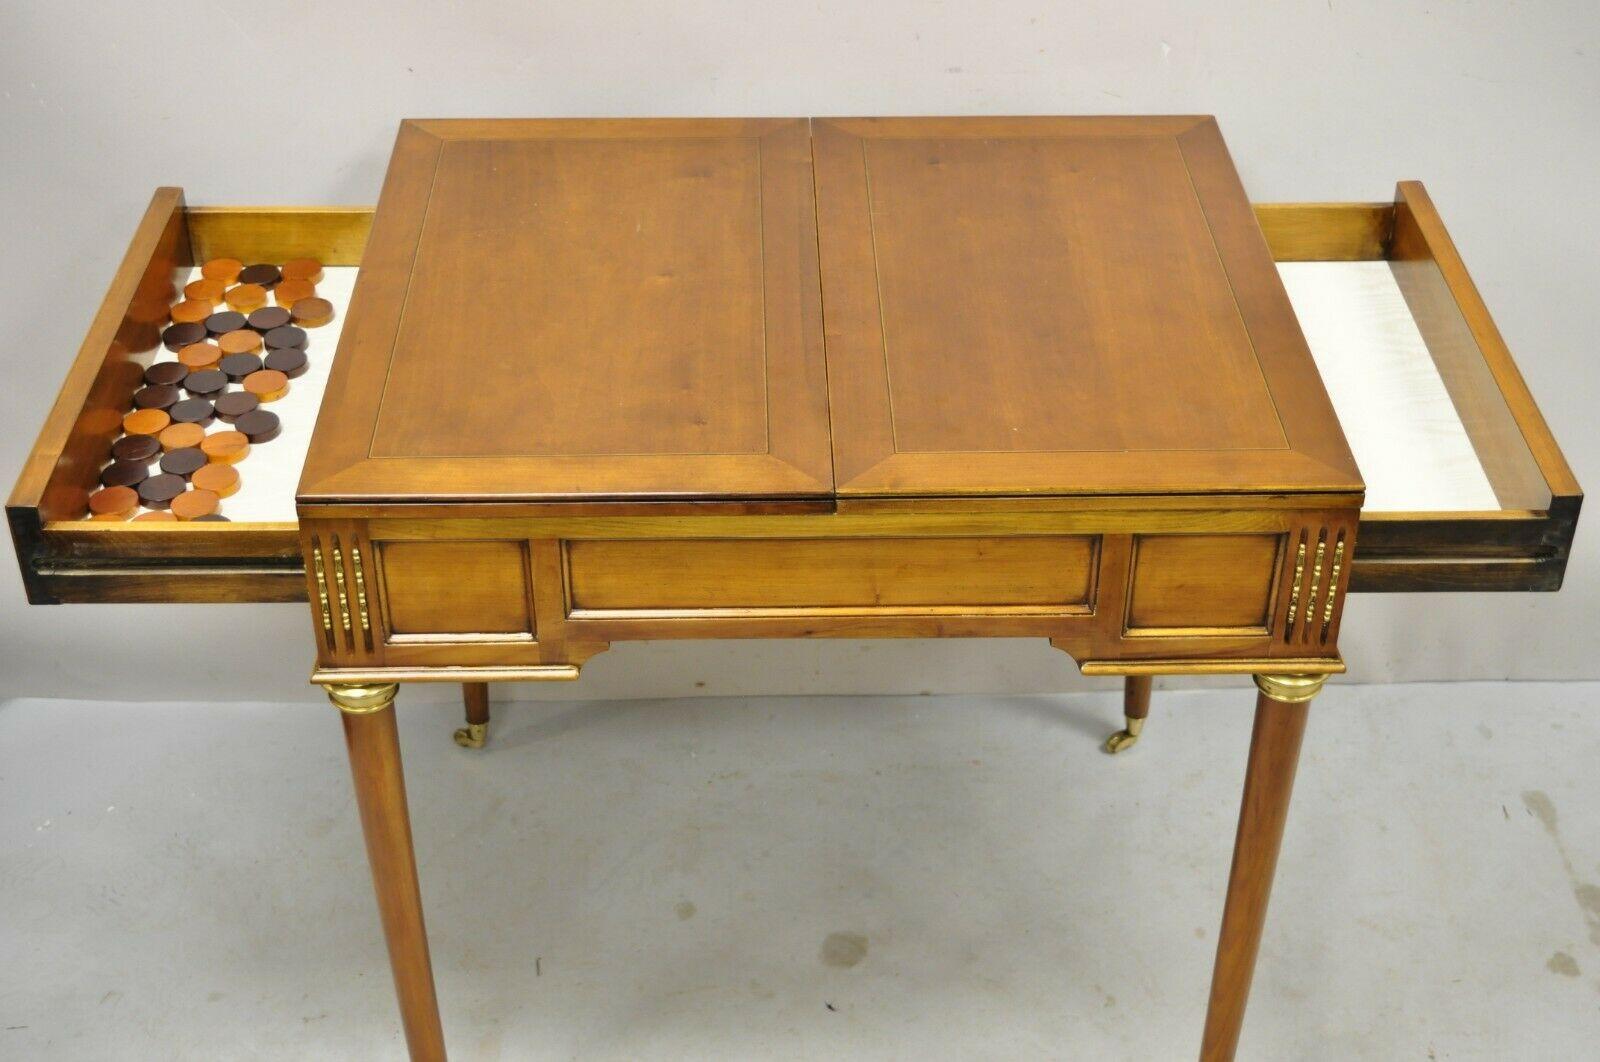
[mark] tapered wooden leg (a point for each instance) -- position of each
(1135, 707)
(475, 695)
(374, 744)
(1274, 750)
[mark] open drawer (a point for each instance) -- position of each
(67, 557)
(1466, 487)
(1467, 490)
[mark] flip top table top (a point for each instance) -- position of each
(786, 310)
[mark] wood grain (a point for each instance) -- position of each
(1264, 808)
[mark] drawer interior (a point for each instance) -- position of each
(1466, 487)
(66, 556)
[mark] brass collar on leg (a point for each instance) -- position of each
(361, 699)
(1291, 689)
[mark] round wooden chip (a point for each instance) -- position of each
(156, 396)
(194, 411)
(311, 313)
(193, 504)
(166, 372)
(240, 341)
(269, 317)
(224, 321)
(153, 516)
(268, 385)
(235, 404)
(181, 335)
(259, 425)
(145, 422)
(221, 480)
(246, 297)
(114, 500)
(303, 269)
(205, 290)
(135, 448)
(191, 312)
(157, 492)
(237, 366)
(124, 474)
(199, 356)
(291, 361)
(263, 276)
(181, 436)
(225, 447)
(224, 269)
(289, 292)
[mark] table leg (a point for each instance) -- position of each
(374, 744)
(1135, 707)
(475, 695)
(1280, 722)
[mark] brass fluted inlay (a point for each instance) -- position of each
(1333, 587)
(344, 594)
(361, 587)
(1316, 583)
(322, 588)
(1294, 592)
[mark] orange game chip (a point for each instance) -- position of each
(180, 437)
(311, 313)
(246, 297)
(194, 503)
(240, 341)
(289, 292)
(113, 503)
(191, 311)
(197, 356)
(221, 480)
(225, 447)
(308, 269)
(268, 385)
(205, 290)
(223, 269)
(146, 422)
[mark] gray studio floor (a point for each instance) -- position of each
(909, 878)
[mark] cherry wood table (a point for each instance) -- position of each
(938, 377)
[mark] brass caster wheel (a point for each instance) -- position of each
(1126, 738)
(473, 735)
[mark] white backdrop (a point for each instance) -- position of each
(1494, 106)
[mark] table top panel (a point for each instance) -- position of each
(789, 311)
(563, 309)
(1058, 306)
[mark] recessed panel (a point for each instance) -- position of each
(1030, 573)
(456, 588)
(1219, 582)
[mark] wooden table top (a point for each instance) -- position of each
(786, 310)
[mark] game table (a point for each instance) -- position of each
(605, 380)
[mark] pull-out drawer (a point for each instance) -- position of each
(255, 556)
(1467, 489)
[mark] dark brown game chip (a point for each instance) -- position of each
(237, 366)
(259, 425)
(264, 275)
(125, 473)
(184, 462)
(268, 317)
(182, 335)
(225, 321)
(235, 404)
(136, 448)
(287, 336)
(165, 372)
(207, 383)
(291, 361)
(157, 492)
(194, 411)
(157, 396)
